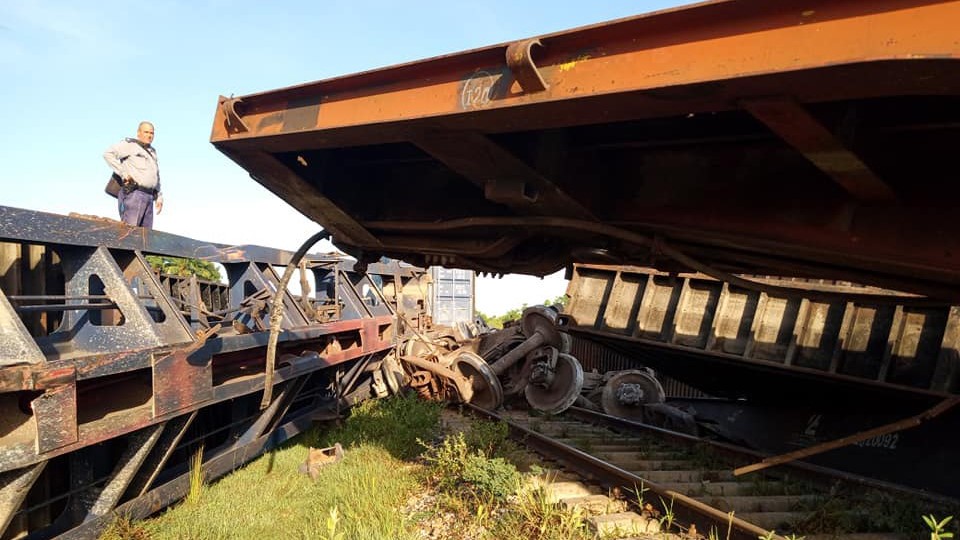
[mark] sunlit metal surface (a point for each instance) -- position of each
(797, 138)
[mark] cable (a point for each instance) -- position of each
(276, 315)
(656, 245)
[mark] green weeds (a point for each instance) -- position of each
(457, 467)
(124, 528)
(938, 528)
(395, 424)
(358, 497)
(533, 515)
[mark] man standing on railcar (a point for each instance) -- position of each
(134, 162)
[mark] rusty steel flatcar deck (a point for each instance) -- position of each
(808, 138)
(110, 374)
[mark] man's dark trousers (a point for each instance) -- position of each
(136, 208)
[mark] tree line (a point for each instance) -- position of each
(497, 321)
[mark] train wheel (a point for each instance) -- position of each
(627, 392)
(553, 389)
(393, 374)
(487, 391)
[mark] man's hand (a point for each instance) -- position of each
(159, 202)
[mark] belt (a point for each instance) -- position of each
(151, 191)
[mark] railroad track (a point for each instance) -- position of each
(691, 480)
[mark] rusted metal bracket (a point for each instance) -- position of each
(520, 62)
(234, 122)
(505, 178)
(31, 377)
(56, 418)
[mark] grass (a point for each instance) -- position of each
(533, 516)
(359, 497)
(124, 528)
(197, 482)
(258, 503)
(386, 487)
(874, 511)
(398, 425)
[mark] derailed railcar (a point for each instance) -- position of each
(780, 365)
(789, 138)
(797, 139)
(112, 376)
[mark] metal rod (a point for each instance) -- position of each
(59, 297)
(63, 307)
(509, 359)
(906, 423)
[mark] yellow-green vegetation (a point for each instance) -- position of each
(123, 528)
(533, 515)
(179, 266)
(197, 483)
(497, 321)
(271, 499)
(938, 528)
(388, 486)
(457, 468)
(359, 497)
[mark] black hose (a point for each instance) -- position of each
(276, 314)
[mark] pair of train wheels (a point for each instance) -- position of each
(553, 397)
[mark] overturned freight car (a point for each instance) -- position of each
(801, 140)
(112, 376)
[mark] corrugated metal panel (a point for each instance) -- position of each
(452, 299)
(877, 335)
(593, 356)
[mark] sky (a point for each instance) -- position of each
(76, 77)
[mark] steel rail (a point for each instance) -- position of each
(809, 471)
(686, 509)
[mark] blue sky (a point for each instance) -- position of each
(79, 76)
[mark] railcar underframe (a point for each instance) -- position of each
(789, 138)
(112, 376)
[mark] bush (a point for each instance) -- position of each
(489, 437)
(490, 477)
(179, 266)
(455, 466)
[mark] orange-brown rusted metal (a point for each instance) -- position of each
(791, 138)
(716, 41)
(520, 62)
